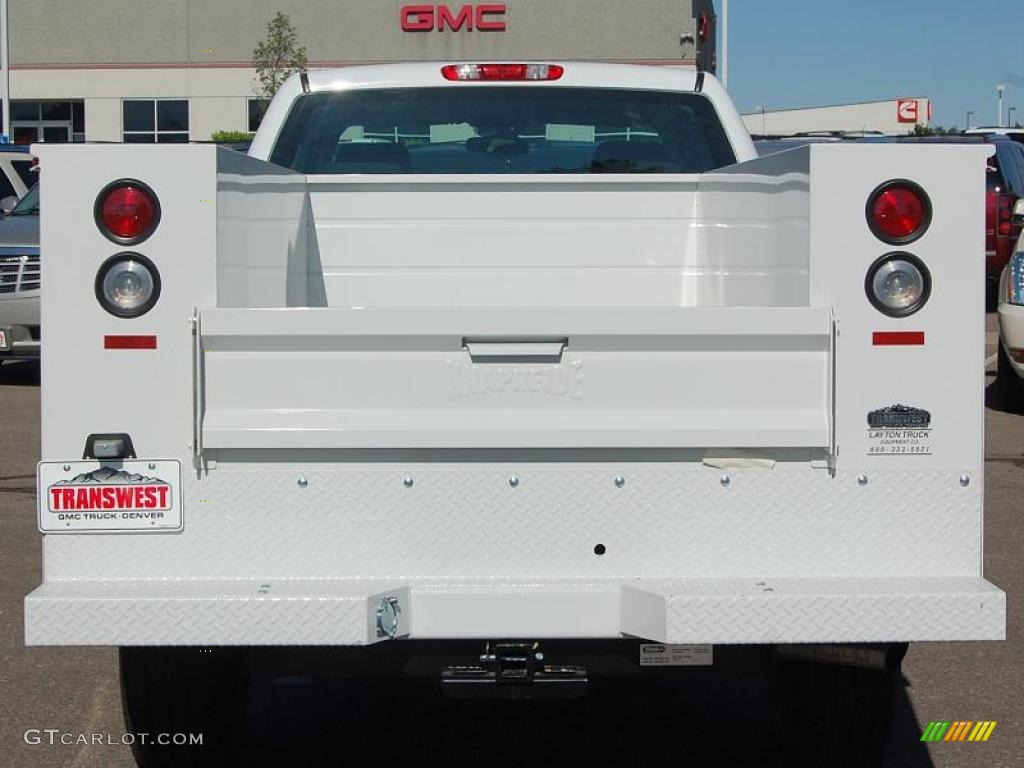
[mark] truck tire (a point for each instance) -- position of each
(832, 716)
(185, 691)
(1008, 383)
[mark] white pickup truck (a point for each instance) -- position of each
(524, 364)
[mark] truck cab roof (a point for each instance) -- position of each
(585, 74)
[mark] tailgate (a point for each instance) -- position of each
(544, 377)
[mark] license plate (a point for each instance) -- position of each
(109, 496)
(3, 339)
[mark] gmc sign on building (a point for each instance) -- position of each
(427, 18)
(656, 31)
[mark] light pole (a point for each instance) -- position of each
(1000, 89)
(970, 112)
(1009, 116)
(725, 44)
(5, 71)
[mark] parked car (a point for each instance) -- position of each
(1010, 368)
(767, 147)
(1015, 133)
(19, 279)
(1005, 187)
(17, 175)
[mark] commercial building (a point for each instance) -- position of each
(178, 70)
(895, 116)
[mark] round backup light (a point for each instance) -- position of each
(899, 212)
(127, 285)
(898, 284)
(127, 211)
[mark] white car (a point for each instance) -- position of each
(17, 175)
(19, 279)
(1011, 321)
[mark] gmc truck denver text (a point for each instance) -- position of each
(527, 366)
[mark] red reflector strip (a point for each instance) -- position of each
(129, 342)
(899, 338)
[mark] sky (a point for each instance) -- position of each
(798, 53)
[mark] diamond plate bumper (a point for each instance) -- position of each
(343, 612)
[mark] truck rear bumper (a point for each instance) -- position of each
(348, 612)
(19, 341)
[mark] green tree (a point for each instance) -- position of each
(278, 56)
(935, 130)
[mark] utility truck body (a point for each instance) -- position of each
(471, 354)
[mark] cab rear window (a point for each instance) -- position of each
(502, 130)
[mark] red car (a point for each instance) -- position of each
(1005, 187)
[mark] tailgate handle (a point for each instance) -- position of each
(496, 351)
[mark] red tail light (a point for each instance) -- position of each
(1004, 215)
(502, 72)
(127, 212)
(899, 212)
(990, 220)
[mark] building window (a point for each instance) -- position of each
(257, 109)
(47, 121)
(150, 121)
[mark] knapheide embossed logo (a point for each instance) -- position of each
(468, 381)
(109, 490)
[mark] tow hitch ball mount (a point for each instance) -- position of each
(513, 670)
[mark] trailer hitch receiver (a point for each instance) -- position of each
(513, 670)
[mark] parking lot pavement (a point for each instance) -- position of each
(76, 690)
